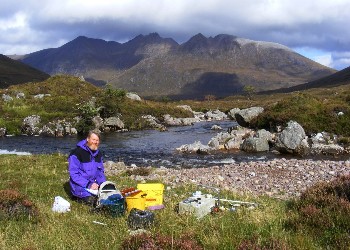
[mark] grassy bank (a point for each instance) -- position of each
(41, 178)
(67, 97)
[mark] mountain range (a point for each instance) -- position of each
(153, 66)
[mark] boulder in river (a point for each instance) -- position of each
(292, 139)
(196, 147)
(255, 144)
(244, 116)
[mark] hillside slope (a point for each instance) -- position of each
(14, 72)
(339, 78)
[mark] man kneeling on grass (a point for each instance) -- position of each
(86, 169)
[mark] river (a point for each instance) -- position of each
(142, 148)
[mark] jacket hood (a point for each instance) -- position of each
(83, 144)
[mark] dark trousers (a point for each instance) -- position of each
(89, 200)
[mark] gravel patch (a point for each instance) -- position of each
(279, 178)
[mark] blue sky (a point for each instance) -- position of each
(316, 29)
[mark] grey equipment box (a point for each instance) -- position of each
(199, 204)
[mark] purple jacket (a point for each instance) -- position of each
(85, 167)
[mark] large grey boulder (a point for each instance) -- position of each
(185, 107)
(133, 96)
(215, 115)
(264, 134)
(237, 134)
(154, 122)
(187, 121)
(218, 141)
(229, 140)
(114, 123)
(2, 132)
(327, 149)
(216, 127)
(171, 121)
(325, 143)
(292, 139)
(47, 131)
(30, 125)
(98, 122)
(196, 147)
(255, 144)
(231, 114)
(244, 116)
(199, 115)
(6, 98)
(20, 95)
(234, 143)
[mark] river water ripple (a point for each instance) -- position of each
(143, 148)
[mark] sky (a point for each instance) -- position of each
(316, 29)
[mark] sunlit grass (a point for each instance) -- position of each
(42, 177)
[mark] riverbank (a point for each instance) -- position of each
(278, 178)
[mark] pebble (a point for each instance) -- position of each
(278, 178)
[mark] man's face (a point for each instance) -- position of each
(93, 142)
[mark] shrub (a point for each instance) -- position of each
(160, 242)
(324, 211)
(14, 205)
(110, 101)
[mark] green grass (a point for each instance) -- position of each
(272, 225)
(66, 94)
(314, 109)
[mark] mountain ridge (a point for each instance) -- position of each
(154, 66)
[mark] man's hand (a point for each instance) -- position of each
(94, 186)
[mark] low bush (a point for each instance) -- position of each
(161, 242)
(323, 210)
(269, 244)
(14, 205)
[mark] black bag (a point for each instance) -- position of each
(140, 219)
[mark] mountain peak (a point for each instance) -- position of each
(152, 65)
(195, 43)
(152, 38)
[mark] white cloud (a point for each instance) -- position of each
(17, 21)
(30, 25)
(325, 59)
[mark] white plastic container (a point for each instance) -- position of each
(199, 205)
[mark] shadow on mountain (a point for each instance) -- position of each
(13, 72)
(98, 83)
(212, 83)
